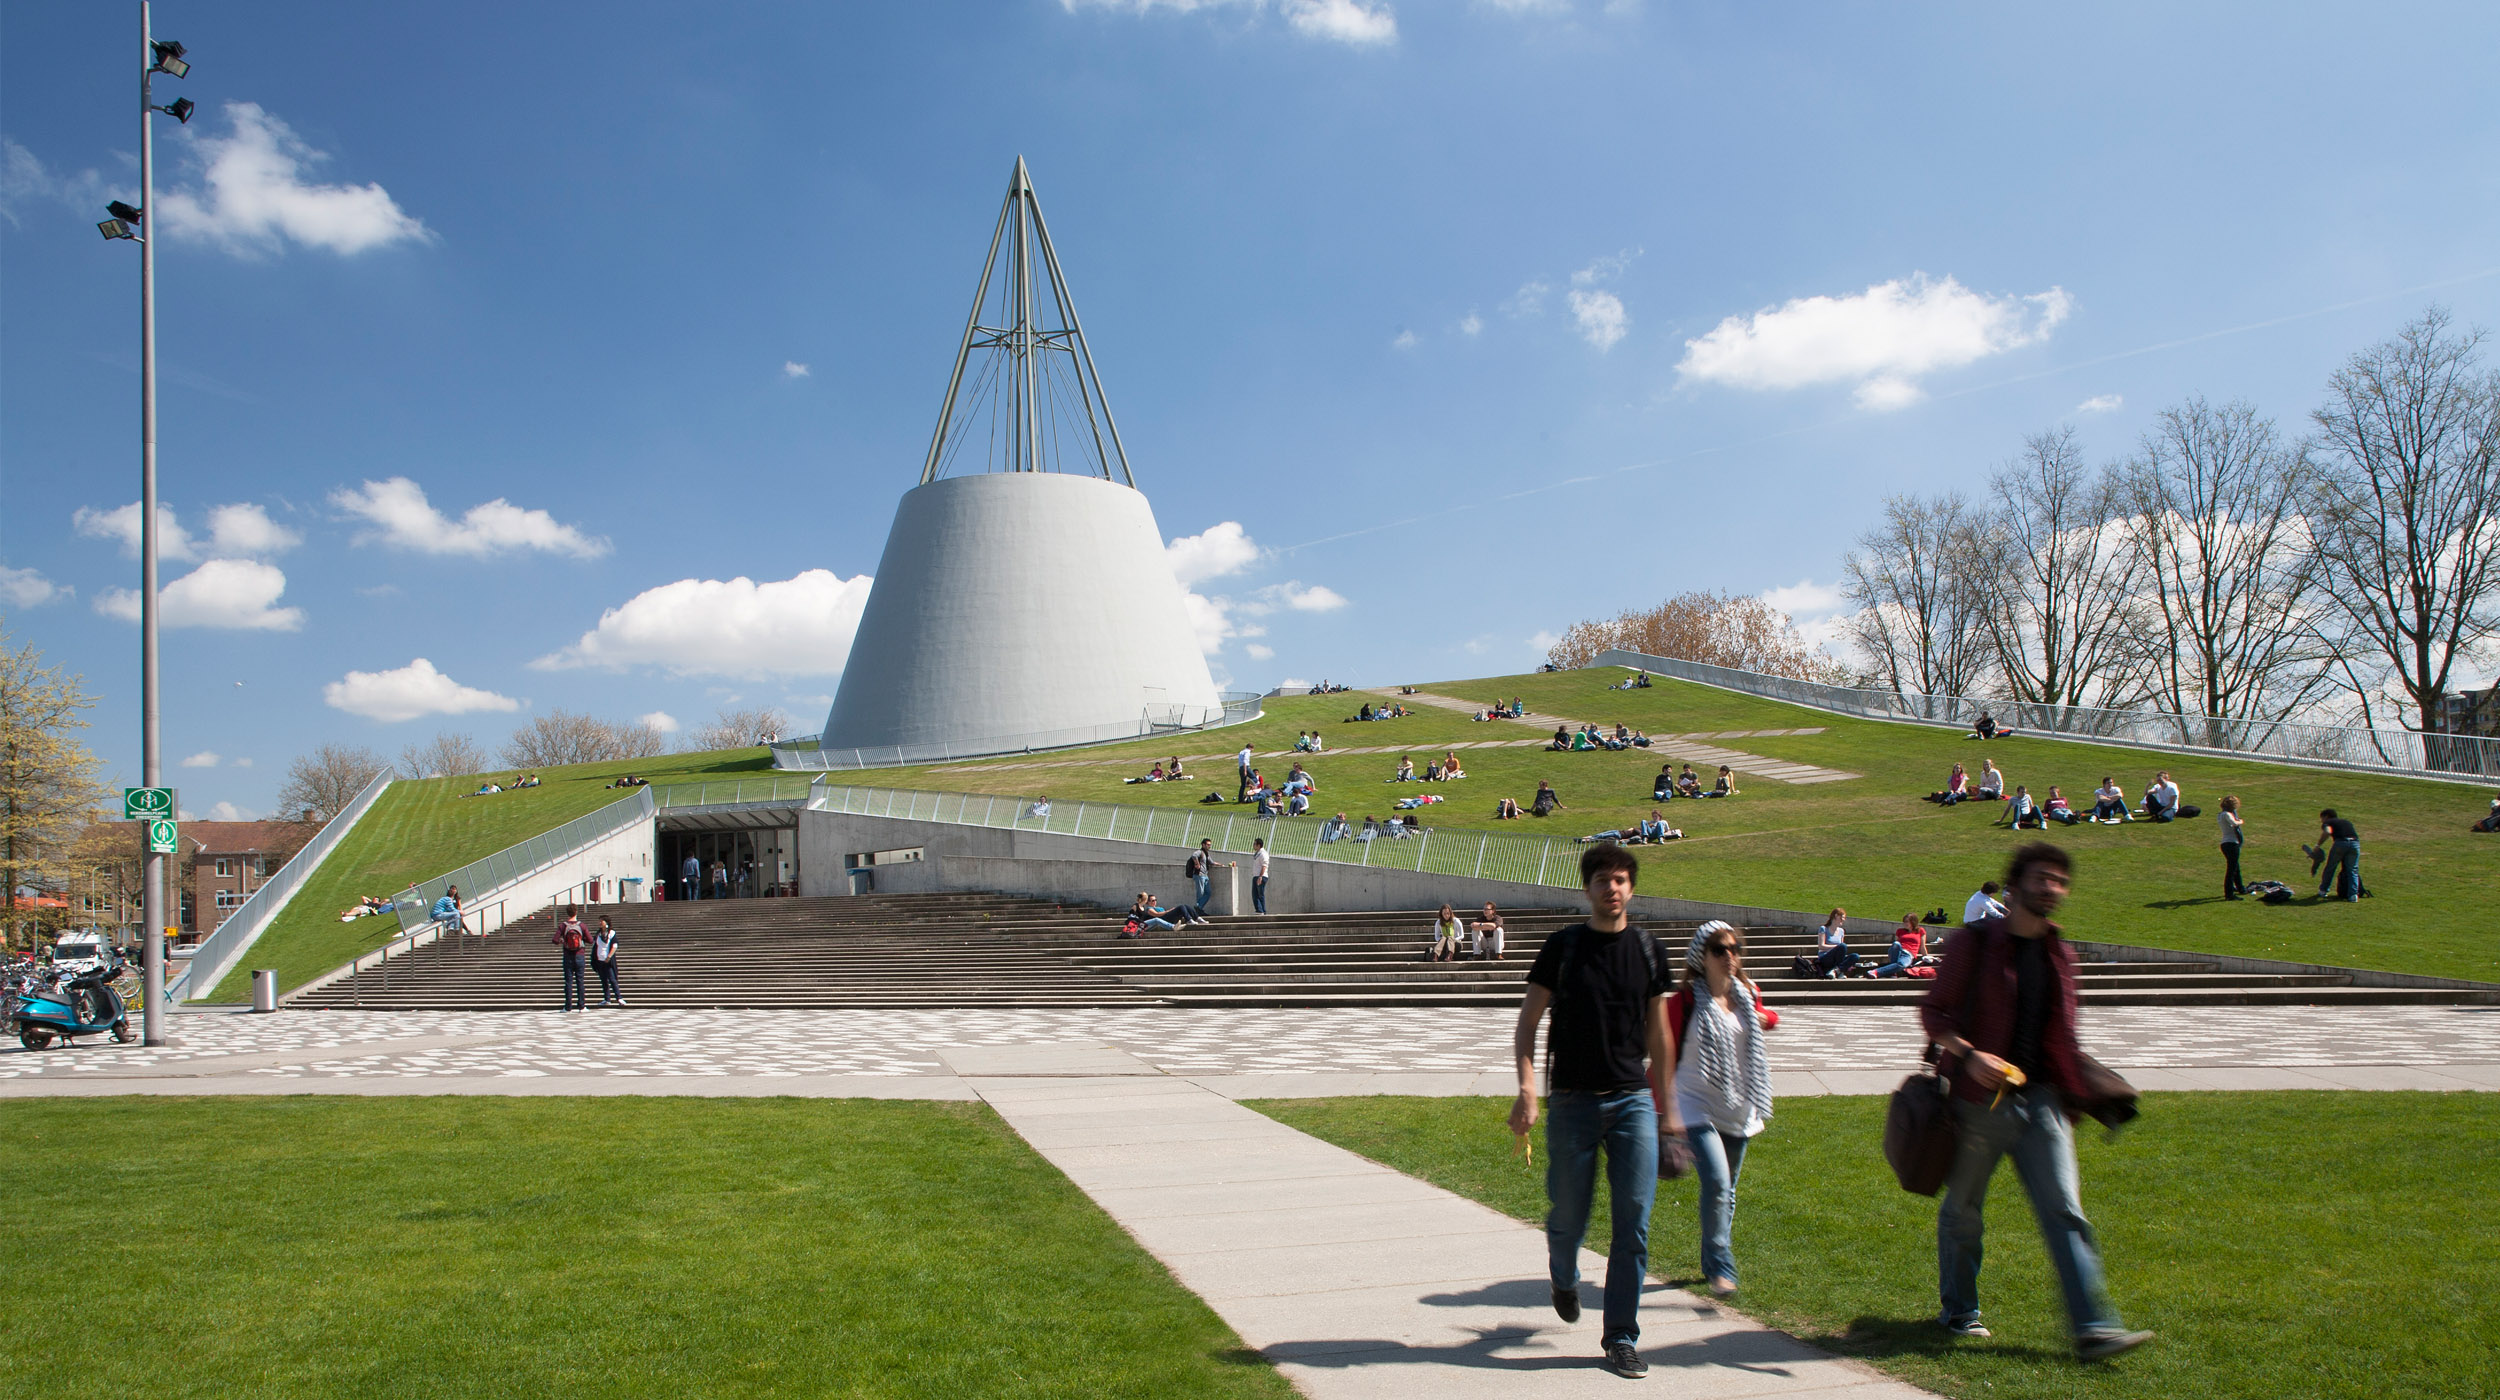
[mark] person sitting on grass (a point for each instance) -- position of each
(1271, 805)
(1988, 728)
(2491, 819)
(1655, 827)
(1639, 740)
(1991, 784)
(1562, 740)
(1300, 777)
(1301, 742)
(1547, 801)
(1172, 771)
(1955, 789)
(1399, 712)
(1154, 777)
(1583, 742)
(1400, 828)
(1371, 829)
(1505, 810)
(1726, 786)
(1662, 787)
(2056, 808)
(1517, 709)
(2021, 811)
(1318, 744)
(1406, 770)
(1907, 942)
(1336, 828)
(1688, 783)
(1299, 804)
(1450, 771)
(2161, 798)
(2109, 803)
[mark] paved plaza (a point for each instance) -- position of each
(1243, 1052)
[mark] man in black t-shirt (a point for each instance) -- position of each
(2343, 856)
(1608, 1055)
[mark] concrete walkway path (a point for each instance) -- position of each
(1356, 1280)
(1747, 765)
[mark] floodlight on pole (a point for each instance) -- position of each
(164, 56)
(180, 109)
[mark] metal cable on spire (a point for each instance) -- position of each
(1038, 379)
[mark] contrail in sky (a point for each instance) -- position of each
(2153, 349)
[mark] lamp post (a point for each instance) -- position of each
(129, 223)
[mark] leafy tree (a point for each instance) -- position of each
(48, 789)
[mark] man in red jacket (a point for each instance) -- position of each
(2003, 1007)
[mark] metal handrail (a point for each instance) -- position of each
(802, 754)
(490, 874)
(408, 943)
(2449, 756)
(1430, 850)
(215, 955)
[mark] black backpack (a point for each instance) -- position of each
(2271, 891)
(1803, 968)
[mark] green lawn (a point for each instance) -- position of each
(2310, 1244)
(1872, 844)
(466, 1247)
(423, 828)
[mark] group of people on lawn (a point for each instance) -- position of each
(1588, 738)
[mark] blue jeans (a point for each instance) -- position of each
(2032, 1129)
(575, 998)
(1627, 1124)
(1258, 893)
(2342, 876)
(1718, 1158)
(1206, 890)
(1897, 964)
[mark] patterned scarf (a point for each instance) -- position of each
(1720, 1046)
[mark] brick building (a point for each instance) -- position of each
(230, 860)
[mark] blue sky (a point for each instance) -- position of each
(1453, 322)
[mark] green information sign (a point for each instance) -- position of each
(161, 837)
(147, 804)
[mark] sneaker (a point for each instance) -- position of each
(1722, 1288)
(2101, 1346)
(1964, 1326)
(1567, 1304)
(1624, 1359)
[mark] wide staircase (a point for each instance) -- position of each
(945, 950)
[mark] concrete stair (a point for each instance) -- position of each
(954, 950)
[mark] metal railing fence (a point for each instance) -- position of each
(2390, 750)
(802, 755)
(716, 792)
(1492, 855)
(216, 954)
(480, 878)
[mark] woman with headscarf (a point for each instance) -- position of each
(1722, 1085)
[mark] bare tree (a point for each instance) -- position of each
(324, 781)
(446, 755)
(2408, 463)
(1716, 629)
(2226, 571)
(561, 737)
(739, 729)
(1915, 579)
(2061, 577)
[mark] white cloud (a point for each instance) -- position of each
(1292, 683)
(234, 594)
(1211, 619)
(1543, 642)
(1600, 316)
(1218, 550)
(1471, 324)
(254, 197)
(1529, 300)
(1806, 598)
(1884, 338)
(203, 759)
(411, 692)
(660, 720)
(405, 518)
(1291, 594)
(242, 763)
(228, 812)
(1356, 22)
(1260, 652)
(2100, 403)
(799, 626)
(1605, 269)
(25, 588)
(1405, 340)
(242, 531)
(792, 369)
(23, 178)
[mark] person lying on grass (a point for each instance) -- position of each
(1156, 776)
(1505, 810)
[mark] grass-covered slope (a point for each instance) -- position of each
(666, 1247)
(422, 828)
(1871, 844)
(2282, 1243)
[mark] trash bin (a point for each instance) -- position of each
(630, 890)
(264, 989)
(594, 890)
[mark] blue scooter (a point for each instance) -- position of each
(56, 1006)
